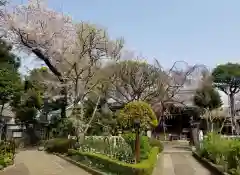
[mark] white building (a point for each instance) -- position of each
(13, 130)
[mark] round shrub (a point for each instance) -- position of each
(137, 110)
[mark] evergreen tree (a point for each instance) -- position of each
(10, 81)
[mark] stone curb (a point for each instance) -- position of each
(216, 169)
(80, 165)
(157, 167)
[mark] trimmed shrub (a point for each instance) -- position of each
(144, 144)
(137, 110)
(115, 167)
(59, 145)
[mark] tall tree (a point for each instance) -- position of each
(68, 50)
(208, 99)
(27, 110)
(206, 96)
(31, 103)
(10, 81)
(134, 80)
(226, 77)
(130, 80)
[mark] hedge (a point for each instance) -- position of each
(59, 145)
(108, 165)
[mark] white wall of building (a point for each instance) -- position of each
(224, 98)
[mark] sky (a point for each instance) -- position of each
(196, 31)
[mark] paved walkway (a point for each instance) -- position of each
(33, 162)
(178, 160)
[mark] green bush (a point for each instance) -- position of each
(59, 145)
(156, 143)
(222, 151)
(6, 159)
(7, 151)
(137, 110)
(7, 147)
(115, 167)
(144, 144)
(215, 148)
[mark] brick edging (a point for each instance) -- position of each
(80, 165)
(209, 165)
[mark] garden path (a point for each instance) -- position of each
(178, 160)
(33, 162)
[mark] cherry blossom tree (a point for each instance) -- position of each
(72, 51)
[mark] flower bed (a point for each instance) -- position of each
(222, 152)
(105, 164)
(101, 155)
(113, 147)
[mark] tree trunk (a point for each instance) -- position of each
(93, 115)
(232, 112)
(64, 101)
(1, 113)
(222, 125)
(212, 126)
(56, 72)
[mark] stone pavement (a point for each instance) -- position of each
(178, 160)
(33, 162)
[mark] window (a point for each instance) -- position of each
(17, 134)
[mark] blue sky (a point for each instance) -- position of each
(196, 31)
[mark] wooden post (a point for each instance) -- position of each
(137, 146)
(137, 140)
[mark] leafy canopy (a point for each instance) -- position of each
(226, 72)
(28, 105)
(10, 80)
(10, 83)
(7, 58)
(137, 110)
(227, 76)
(208, 98)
